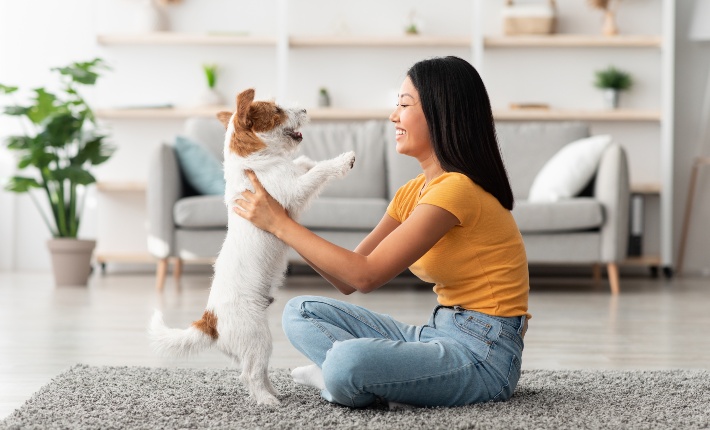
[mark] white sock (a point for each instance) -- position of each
(309, 375)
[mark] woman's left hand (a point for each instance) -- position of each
(259, 207)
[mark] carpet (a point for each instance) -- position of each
(90, 397)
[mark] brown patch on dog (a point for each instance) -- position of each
(251, 118)
(224, 118)
(207, 324)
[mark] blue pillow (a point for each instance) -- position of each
(202, 170)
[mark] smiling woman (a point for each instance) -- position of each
(452, 226)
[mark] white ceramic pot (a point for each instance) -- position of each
(211, 97)
(611, 98)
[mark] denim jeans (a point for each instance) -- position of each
(459, 357)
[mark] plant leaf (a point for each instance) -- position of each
(44, 106)
(4, 89)
(83, 72)
(95, 151)
(74, 174)
(21, 184)
(16, 110)
(61, 130)
(19, 143)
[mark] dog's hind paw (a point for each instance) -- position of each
(267, 400)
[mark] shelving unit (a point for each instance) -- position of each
(479, 45)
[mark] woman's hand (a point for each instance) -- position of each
(259, 207)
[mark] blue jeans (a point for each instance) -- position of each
(459, 357)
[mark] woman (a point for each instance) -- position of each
(451, 226)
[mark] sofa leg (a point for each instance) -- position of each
(597, 273)
(177, 269)
(613, 273)
(160, 272)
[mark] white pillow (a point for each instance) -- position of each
(569, 170)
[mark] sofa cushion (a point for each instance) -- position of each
(526, 147)
(368, 176)
(344, 213)
(569, 170)
(201, 169)
(581, 213)
(200, 212)
(207, 131)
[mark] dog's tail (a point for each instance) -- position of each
(183, 343)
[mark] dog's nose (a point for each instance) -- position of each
(303, 111)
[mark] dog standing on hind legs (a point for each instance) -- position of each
(261, 136)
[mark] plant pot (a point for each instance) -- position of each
(71, 260)
(611, 98)
(211, 98)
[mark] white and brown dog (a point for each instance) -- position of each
(261, 136)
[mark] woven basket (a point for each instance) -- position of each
(529, 18)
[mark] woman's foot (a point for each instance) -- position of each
(309, 375)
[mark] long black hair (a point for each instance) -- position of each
(460, 120)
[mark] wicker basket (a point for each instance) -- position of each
(529, 18)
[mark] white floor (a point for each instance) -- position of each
(44, 330)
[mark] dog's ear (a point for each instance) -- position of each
(224, 118)
(244, 100)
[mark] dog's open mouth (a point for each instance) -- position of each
(294, 134)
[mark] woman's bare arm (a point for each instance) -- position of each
(386, 225)
(391, 254)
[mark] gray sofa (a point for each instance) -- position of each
(589, 229)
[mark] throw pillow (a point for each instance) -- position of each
(569, 170)
(202, 170)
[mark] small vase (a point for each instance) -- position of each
(71, 260)
(609, 28)
(150, 17)
(211, 98)
(611, 98)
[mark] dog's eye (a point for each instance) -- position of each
(279, 110)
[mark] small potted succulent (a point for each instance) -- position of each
(211, 97)
(56, 153)
(612, 81)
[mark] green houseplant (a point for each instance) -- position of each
(612, 81)
(59, 146)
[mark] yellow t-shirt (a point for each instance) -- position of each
(480, 264)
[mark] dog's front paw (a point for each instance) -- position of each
(344, 163)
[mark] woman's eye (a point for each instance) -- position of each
(402, 105)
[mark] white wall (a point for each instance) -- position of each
(55, 33)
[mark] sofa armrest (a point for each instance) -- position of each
(163, 190)
(612, 189)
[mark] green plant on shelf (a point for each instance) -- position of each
(613, 78)
(61, 143)
(211, 74)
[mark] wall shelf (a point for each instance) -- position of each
(383, 113)
(175, 38)
(120, 186)
(572, 41)
(379, 41)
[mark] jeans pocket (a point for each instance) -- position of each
(476, 333)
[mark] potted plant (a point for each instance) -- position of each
(211, 97)
(60, 145)
(612, 81)
(323, 97)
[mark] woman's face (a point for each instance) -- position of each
(410, 124)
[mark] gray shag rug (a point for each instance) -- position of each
(90, 397)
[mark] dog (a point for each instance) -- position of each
(260, 136)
